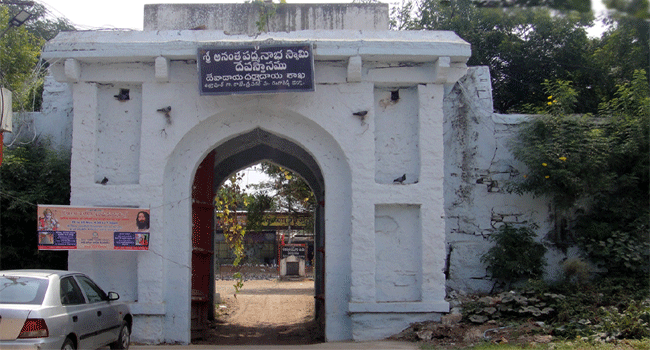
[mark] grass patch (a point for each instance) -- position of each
(577, 344)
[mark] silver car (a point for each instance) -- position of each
(47, 309)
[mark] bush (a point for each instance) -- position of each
(30, 174)
(619, 252)
(576, 271)
(515, 256)
(632, 323)
(594, 170)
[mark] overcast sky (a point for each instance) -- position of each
(123, 14)
(128, 14)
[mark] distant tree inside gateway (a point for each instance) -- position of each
(290, 194)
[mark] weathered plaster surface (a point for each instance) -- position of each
(150, 160)
(478, 164)
(54, 122)
(243, 18)
(391, 247)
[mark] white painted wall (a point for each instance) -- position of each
(476, 162)
(387, 243)
(53, 123)
(150, 162)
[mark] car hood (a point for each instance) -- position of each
(12, 319)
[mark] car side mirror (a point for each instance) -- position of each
(112, 296)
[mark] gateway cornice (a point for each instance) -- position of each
(135, 46)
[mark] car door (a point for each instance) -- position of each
(107, 320)
(82, 316)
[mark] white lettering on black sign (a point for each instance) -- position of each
(293, 249)
(256, 69)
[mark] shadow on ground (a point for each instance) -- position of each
(231, 334)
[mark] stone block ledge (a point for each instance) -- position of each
(399, 307)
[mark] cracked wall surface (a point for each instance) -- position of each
(478, 164)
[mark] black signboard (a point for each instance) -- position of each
(255, 69)
(294, 249)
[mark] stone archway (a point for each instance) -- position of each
(243, 135)
(229, 157)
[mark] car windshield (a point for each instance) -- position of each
(22, 290)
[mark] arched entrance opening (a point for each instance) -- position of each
(227, 158)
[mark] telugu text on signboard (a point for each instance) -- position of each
(87, 228)
(256, 69)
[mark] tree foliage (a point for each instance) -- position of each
(229, 200)
(622, 50)
(19, 56)
(30, 174)
(636, 8)
(291, 193)
(524, 45)
(21, 70)
(258, 211)
(595, 169)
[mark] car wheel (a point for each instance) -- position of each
(68, 345)
(123, 340)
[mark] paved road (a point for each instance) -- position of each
(378, 345)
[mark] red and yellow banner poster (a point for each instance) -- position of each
(90, 228)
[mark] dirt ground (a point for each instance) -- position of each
(274, 312)
(264, 312)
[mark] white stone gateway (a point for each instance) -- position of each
(368, 139)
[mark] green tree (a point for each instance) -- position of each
(290, 192)
(595, 171)
(525, 43)
(21, 70)
(258, 211)
(639, 9)
(622, 50)
(30, 174)
(615, 233)
(521, 46)
(19, 56)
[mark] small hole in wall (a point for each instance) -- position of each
(394, 95)
(123, 95)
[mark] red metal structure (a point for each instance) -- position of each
(203, 193)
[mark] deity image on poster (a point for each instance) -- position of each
(48, 222)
